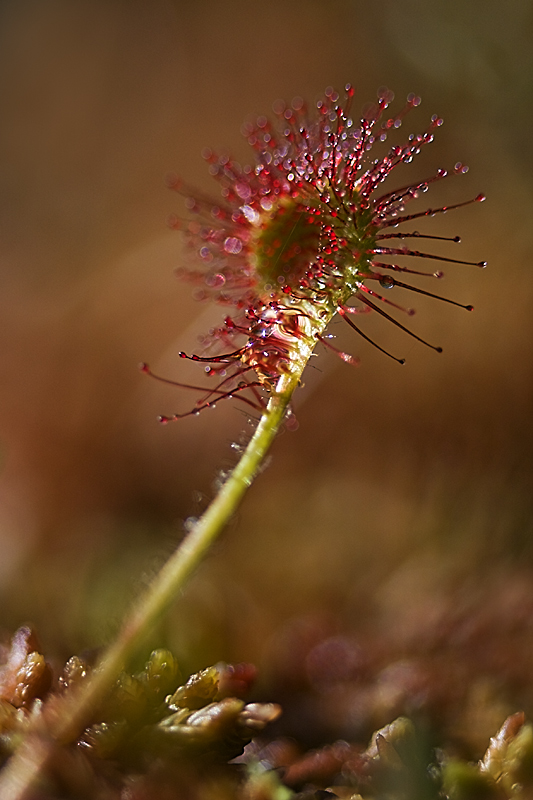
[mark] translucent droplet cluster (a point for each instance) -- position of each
(301, 233)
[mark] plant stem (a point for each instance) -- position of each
(75, 712)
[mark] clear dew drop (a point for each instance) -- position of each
(290, 421)
(386, 282)
(460, 168)
(243, 190)
(251, 215)
(215, 281)
(232, 245)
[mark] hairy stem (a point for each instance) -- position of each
(74, 712)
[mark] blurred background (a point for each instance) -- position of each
(395, 525)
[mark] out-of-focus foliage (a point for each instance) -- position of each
(147, 737)
(144, 721)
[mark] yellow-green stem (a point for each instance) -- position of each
(72, 716)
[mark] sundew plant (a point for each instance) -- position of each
(302, 236)
(311, 229)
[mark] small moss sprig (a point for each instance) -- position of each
(291, 242)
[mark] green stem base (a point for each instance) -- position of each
(71, 715)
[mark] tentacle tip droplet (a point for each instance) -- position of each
(482, 264)
(401, 361)
(163, 420)
(181, 354)
(481, 198)
(438, 349)
(143, 367)
(173, 222)
(469, 308)
(354, 361)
